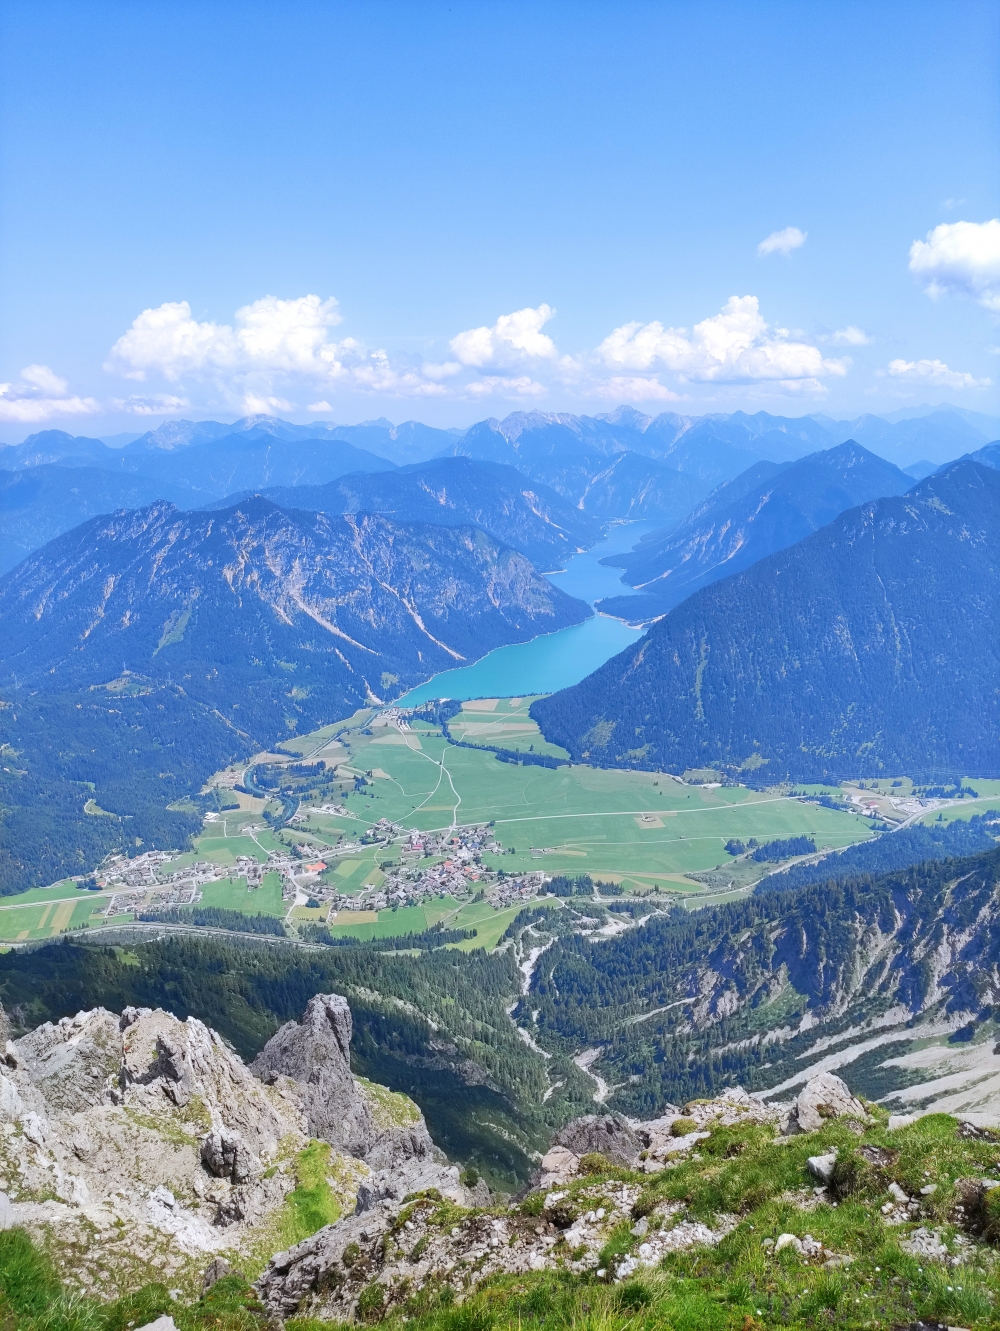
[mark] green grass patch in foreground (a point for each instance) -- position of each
(739, 1285)
(313, 1203)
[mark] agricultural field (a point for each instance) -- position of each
(53, 911)
(640, 828)
(503, 723)
(645, 831)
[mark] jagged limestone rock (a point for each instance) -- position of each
(146, 1145)
(315, 1053)
(366, 1121)
(603, 1134)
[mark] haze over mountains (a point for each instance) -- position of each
(623, 465)
(453, 492)
(866, 649)
(147, 646)
(767, 508)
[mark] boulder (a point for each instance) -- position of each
(558, 1164)
(821, 1167)
(825, 1096)
(214, 1272)
(606, 1134)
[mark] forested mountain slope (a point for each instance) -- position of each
(742, 522)
(868, 648)
(454, 492)
(280, 620)
(756, 992)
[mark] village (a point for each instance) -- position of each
(148, 884)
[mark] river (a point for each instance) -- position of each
(553, 660)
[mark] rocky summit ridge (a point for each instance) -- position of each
(138, 1147)
(140, 1150)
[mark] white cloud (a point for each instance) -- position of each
(782, 242)
(734, 346)
(156, 404)
(39, 395)
(933, 372)
(512, 338)
(255, 404)
(621, 388)
(443, 370)
(44, 379)
(962, 258)
(521, 386)
(278, 353)
(270, 335)
(851, 336)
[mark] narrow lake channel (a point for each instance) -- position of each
(553, 660)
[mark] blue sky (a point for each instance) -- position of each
(495, 206)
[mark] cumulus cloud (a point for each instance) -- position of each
(521, 386)
(961, 258)
(933, 372)
(634, 388)
(39, 395)
(734, 346)
(155, 404)
(782, 242)
(276, 353)
(270, 334)
(512, 338)
(851, 336)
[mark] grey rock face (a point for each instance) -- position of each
(392, 1185)
(825, 1096)
(72, 1064)
(226, 1155)
(608, 1134)
(315, 1054)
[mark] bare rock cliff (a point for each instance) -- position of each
(149, 1147)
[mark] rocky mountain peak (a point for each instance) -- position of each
(138, 1133)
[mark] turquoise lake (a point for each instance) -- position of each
(553, 660)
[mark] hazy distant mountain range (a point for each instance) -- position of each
(767, 508)
(869, 648)
(454, 492)
(623, 465)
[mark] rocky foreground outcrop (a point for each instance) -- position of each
(399, 1246)
(146, 1147)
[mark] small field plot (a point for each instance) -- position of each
(388, 924)
(67, 888)
(489, 924)
(232, 894)
(503, 723)
(21, 923)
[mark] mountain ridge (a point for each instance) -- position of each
(856, 652)
(221, 600)
(743, 521)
